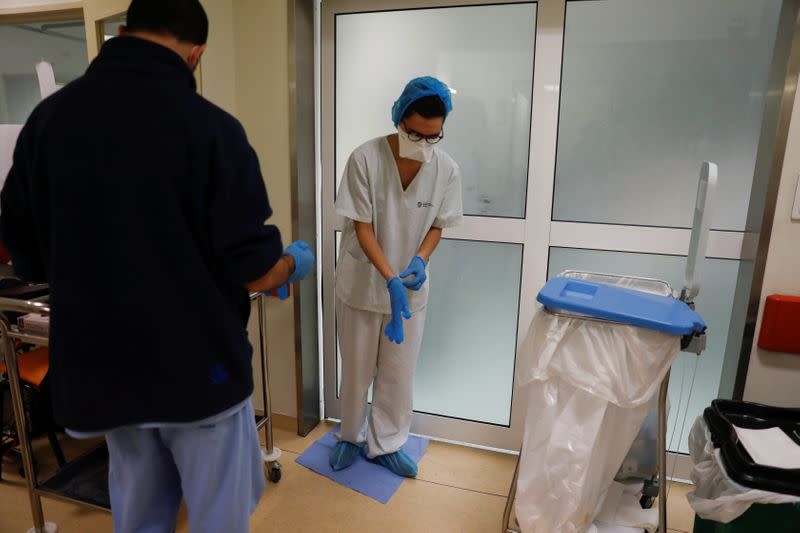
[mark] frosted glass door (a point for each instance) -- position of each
(485, 54)
(464, 382)
(651, 89)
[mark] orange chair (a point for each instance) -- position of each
(33, 367)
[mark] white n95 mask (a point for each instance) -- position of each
(418, 150)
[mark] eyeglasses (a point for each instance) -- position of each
(430, 139)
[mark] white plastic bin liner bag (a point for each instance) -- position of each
(619, 363)
(716, 496)
(588, 388)
(620, 508)
(641, 462)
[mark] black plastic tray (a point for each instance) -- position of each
(724, 414)
(84, 480)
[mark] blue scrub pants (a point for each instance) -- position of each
(216, 468)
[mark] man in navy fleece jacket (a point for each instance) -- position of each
(143, 206)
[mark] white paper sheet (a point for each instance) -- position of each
(604, 528)
(8, 140)
(770, 447)
(621, 510)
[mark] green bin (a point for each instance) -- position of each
(759, 518)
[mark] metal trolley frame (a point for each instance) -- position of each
(10, 334)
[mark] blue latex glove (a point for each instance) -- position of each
(417, 269)
(397, 295)
(303, 260)
(283, 291)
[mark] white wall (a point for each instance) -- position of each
(218, 68)
(262, 104)
(8, 140)
(245, 71)
(8, 4)
(774, 378)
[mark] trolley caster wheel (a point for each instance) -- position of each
(49, 527)
(275, 472)
(646, 502)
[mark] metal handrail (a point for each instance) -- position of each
(22, 306)
(10, 356)
(12, 305)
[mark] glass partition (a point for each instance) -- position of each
(61, 43)
(485, 54)
(111, 26)
(651, 89)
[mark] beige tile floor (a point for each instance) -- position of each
(459, 490)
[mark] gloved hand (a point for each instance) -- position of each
(303, 260)
(397, 295)
(417, 269)
(282, 292)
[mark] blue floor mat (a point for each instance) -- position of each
(364, 476)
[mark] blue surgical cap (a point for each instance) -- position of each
(420, 88)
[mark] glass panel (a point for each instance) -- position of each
(485, 53)
(715, 304)
(649, 90)
(466, 365)
(62, 44)
(111, 26)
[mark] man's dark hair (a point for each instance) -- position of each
(184, 19)
(430, 106)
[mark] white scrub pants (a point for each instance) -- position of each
(369, 358)
(217, 468)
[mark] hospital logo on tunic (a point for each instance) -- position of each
(424, 204)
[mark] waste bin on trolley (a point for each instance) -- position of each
(608, 310)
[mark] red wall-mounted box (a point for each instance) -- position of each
(780, 326)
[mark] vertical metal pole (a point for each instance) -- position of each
(662, 454)
(512, 495)
(22, 433)
(262, 339)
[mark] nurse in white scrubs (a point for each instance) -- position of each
(398, 193)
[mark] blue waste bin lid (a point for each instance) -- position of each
(618, 304)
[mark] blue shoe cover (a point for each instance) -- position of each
(399, 463)
(343, 455)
